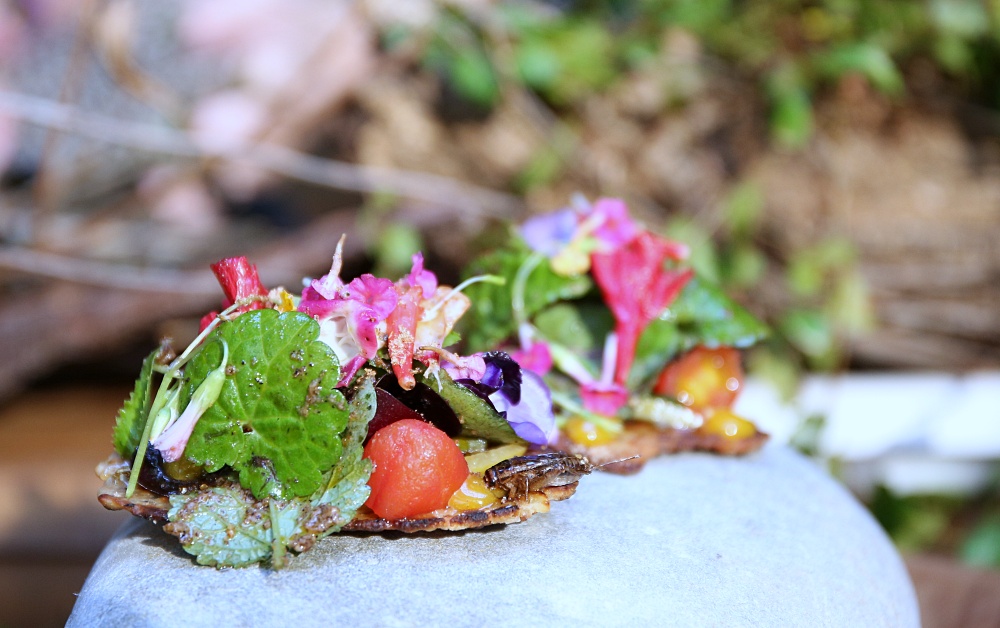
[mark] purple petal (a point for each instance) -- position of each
(549, 233)
(531, 418)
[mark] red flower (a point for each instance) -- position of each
(239, 280)
(637, 287)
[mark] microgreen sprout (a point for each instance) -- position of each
(164, 391)
(171, 442)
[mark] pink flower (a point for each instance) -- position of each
(603, 398)
(424, 278)
(534, 357)
(614, 227)
(352, 317)
(637, 287)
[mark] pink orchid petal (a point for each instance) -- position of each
(375, 293)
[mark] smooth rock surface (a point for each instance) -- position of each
(693, 540)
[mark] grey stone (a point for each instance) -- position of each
(693, 540)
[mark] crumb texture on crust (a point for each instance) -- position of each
(155, 507)
(506, 511)
(642, 442)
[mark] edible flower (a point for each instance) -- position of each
(534, 354)
(172, 440)
(637, 287)
(352, 317)
(520, 396)
(240, 282)
(569, 236)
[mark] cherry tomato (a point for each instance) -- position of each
(703, 378)
(417, 469)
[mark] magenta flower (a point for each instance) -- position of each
(601, 398)
(351, 317)
(637, 287)
(535, 357)
(424, 278)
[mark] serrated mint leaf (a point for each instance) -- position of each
(491, 319)
(346, 488)
(225, 526)
(478, 418)
(222, 526)
(279, 417)
(132, 416)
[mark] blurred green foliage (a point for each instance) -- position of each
(566, 51)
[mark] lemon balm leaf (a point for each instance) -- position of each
(278, 418)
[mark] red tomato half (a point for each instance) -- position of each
(417, 469)
(703, 378)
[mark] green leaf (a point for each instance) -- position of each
(701, 315)
(346, 487)
(472, 75)
(867, 59)
(491, 319)
(580, 327)
(982, 547)
(132, 416)
(537, 65)
(478, 418)
(705, 314)
(225, 526)
(743, 265)
(222, 526)
(279, 417)
(792, 119)
(742, 209)
(791, 108)
(811, 332)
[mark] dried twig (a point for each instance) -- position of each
(278, 159)
(106, 275)
(66, 321)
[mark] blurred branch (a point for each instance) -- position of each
(106, 275)
(63, 322)
(277, 159)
